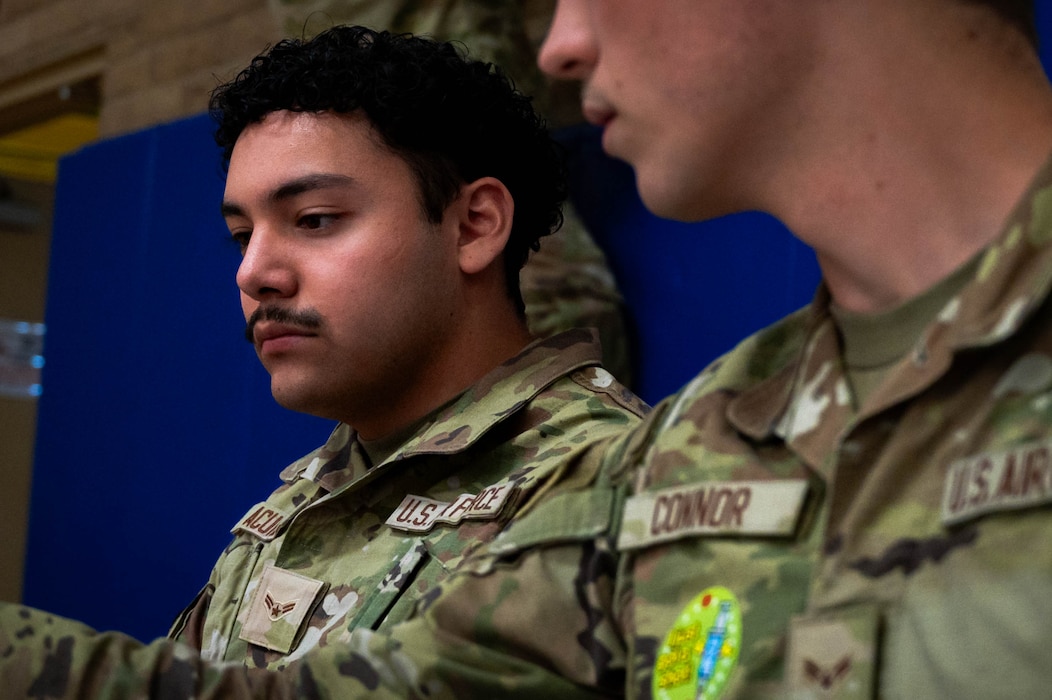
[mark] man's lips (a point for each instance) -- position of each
(268, 323)
(270, 337)
(596, 108)
(597, 113)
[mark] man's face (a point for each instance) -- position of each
(698, 95)
(346, 287)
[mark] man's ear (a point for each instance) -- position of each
(485, 210)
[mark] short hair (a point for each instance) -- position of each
(452, 119)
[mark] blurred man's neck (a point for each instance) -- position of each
(906, 163)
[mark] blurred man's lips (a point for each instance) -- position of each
(596, 114)
(595, 107)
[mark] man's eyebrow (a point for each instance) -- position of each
(316, 181)
(307, 183)
(228, 209)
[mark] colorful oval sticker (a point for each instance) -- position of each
(701, 650)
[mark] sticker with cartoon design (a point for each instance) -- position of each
(701, 650)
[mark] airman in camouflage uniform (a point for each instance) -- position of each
(900, 549)
(342, 549)
(345, 543)
(855, 501)
(365, 527)
(808, 518)
(790, 525)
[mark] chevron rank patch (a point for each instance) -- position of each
(279, 609)
(833, 654)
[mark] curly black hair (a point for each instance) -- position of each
(451, 118)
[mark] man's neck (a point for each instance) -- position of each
(909, 162)
(476, 349)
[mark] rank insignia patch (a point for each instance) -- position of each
(280, 609)
(701, 650)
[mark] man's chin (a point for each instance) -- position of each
(293, 397)
(660, 202)
(310, 398)
(679, 201)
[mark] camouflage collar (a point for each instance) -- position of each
(503, 392)
(1013, 278)
(456, 427)
(1012, 281)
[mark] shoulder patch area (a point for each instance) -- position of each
(598, 380)
(565, 517)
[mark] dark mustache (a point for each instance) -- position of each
(308, 319)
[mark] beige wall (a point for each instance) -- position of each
(156, 60)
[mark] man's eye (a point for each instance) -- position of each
(316, 221)
(241, 239)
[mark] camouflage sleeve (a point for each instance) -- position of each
(551, 591)
(534, 616)
(45, 656)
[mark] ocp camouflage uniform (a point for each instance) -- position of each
(909, 550)
(777, 542)
(344, 545)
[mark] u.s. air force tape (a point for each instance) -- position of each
(420, 514)
(1011, 479)
(760, 508)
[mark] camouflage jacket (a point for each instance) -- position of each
(505, 32)
(756, 537)
(780, 544)
(343, 546)
(770, 541)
